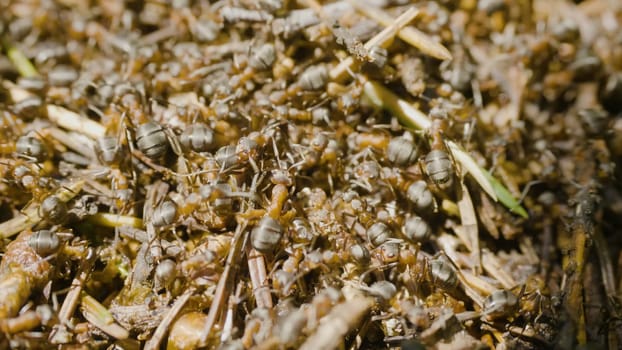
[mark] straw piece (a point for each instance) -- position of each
(410, 35)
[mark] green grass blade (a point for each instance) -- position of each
(505, 197)
(383, 98)
(20, 61)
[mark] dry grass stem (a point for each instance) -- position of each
(382, 39)
(31, 216)
(410, 35)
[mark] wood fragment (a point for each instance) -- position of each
(492, 266)
(163, 327)
(225, 283)
(30, 216)
(75, 122)
(74, 142)
(24, 322)
(343, 319)
(100, 317)
(469, 224)
(582, 229)
(115, 220)
(61, 116)
(14, 291)
(259, 278)
(72, 298)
